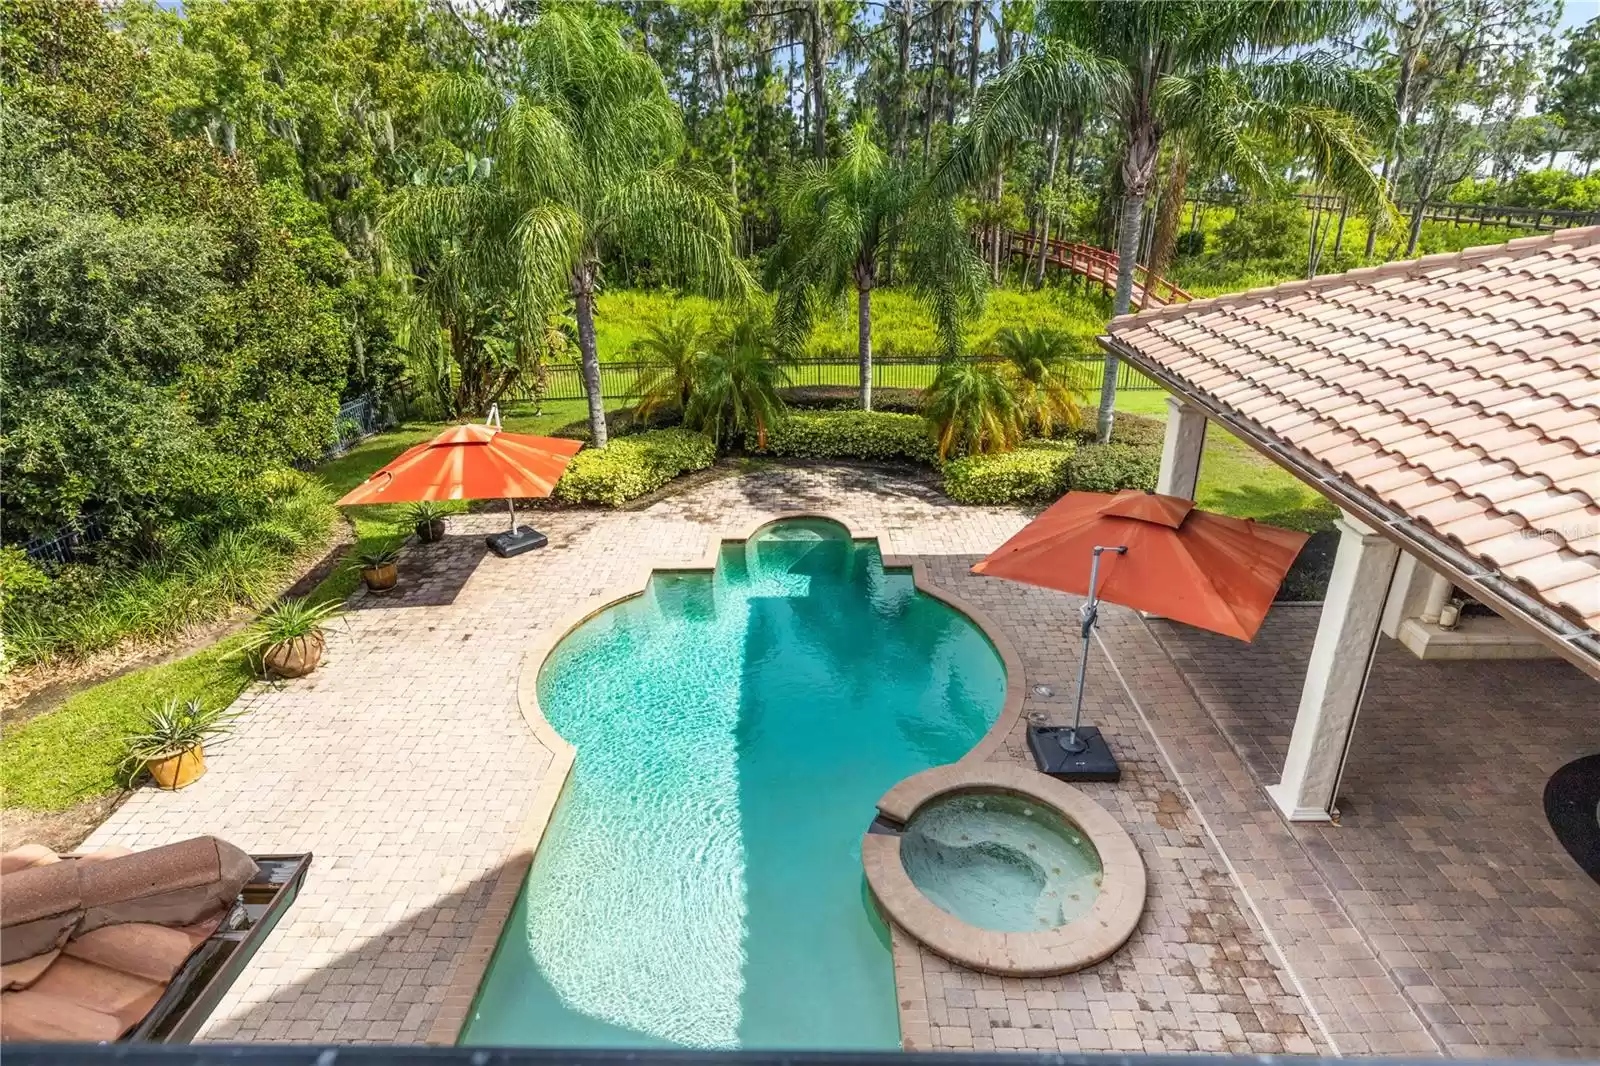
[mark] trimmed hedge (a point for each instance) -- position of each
(1111, 467)
(876, 435)
(631, 466)
(846, 398)
(1141, 431)
(1035, 472)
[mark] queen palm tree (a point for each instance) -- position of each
(580, 158)
(1037, 361)
(843, 226)
(675, 344)
(1195, 69)
(736, 382)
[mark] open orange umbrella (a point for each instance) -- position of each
(474, 462)
(1165, 557)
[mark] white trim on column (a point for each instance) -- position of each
(1336, 675)
(1181, 449)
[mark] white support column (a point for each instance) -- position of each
(1180, 451)
(1337, 672)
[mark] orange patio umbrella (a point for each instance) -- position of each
(474, 462)
(1163, 556)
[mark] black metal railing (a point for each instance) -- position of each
(624, 380)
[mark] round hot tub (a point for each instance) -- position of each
(1005, 870)
(1001, 862)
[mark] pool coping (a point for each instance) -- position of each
(473, 962)
(1075, 945)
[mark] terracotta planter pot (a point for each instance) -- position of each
(428, 532)
(294, 658)
(176, 771)
(380, 578)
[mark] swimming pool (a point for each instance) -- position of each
(700, 883)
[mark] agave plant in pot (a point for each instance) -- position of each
(379, 567)
(171, 742)
(288, 638)
(427, 518)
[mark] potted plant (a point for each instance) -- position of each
(378, 568)
(172, 743)
(428, 519)
(288, 638)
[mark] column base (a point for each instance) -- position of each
(1285, 800)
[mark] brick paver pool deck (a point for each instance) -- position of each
(405, 765)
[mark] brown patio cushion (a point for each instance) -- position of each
(38, 908)
(19, 975)
(31, 1015)
(176, 885)
(154, 952)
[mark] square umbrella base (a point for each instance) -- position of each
(516, 541)
(1094, 763)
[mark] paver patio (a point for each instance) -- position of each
(405, 765)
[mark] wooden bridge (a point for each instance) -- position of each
(1096, 265)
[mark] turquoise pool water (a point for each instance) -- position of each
(700, 883)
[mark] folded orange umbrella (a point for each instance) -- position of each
(1208, 570)
(1151, 552)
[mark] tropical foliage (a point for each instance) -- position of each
(1037, 362)
(973, 409)
(735, 384)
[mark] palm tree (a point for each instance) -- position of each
(736, 382)
(1190, 68)
(843, 226)
(1037, 361)
(676, 345)
(582, 159)
(973, 409)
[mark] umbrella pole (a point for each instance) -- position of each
(1072, 743)
(512, 504)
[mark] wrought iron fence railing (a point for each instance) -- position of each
(624, 380)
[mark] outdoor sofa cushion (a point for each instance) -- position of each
(175, 885)
(39, 907)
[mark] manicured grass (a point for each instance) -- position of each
(73, 753)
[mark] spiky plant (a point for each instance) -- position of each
(736, 382)
(674, 344)
(973, 409)
(172, 728)
(1037, 362)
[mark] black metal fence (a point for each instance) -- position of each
(625, 381)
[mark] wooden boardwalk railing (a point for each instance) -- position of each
(1097, 265)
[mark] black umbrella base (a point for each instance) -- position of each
(1094, 763)
(516, 541)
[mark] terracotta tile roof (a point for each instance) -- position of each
(1460, 389)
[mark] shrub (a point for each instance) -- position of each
(852, 435)
(973, 409)
(629, 467)
(1191, 243)
(848, 398)
(1112, 467)
(85, 608)
(1140, 431)
(1035, 472)
(1264, 229)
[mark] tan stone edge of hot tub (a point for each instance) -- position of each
(1079, 943)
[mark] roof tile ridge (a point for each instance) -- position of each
(1466, 490)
